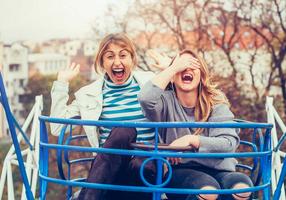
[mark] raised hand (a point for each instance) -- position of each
(182, 62)
(162, 61)
(67, 74)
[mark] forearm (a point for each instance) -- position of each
(207, 144)
(59, 107)
(217, 144)
(163, 78)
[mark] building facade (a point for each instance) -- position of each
(47, 63)
(2, 117)
(15, 74)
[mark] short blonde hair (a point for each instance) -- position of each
(120, 39)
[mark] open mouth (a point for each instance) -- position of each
(118, 72)
(187, 78)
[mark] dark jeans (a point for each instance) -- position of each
(118, 169)
(198, 177)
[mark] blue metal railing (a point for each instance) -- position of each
(277, 192)
(263, 154)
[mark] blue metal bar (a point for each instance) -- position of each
(281, 180)
(152, 189)
(160, 153)
(261, 144)
(11, 124)
(245, 167)
(159, 177)
(22, 133)
(81, 160)
(277, 192)
(156, 124)
(280, 142)
(66, 154)
(43, 161)
(255, 160)
(266, 176)
(59, 153)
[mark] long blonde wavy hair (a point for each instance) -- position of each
(208, 93)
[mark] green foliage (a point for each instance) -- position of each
(4, 148)
(41, 85)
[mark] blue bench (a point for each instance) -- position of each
(259, 145)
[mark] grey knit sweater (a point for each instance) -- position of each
(162, 106)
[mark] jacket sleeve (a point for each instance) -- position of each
(59, 107)
(220, 140)
(151, 100)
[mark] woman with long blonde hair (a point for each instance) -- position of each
(193, 97)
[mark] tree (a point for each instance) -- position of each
(268, 20)
(221, 32)
(40, 84)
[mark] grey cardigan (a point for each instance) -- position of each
(163, 106)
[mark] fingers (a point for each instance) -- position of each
(74, 66)
(156, 66)
(195, 63)
(174, 161)
(69, 72)
(191, 62)
(182, 62)
(165, 169)
(153, 54)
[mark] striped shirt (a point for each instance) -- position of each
(120, 103)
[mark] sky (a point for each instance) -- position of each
(40, 20)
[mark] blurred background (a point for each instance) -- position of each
(243, 42)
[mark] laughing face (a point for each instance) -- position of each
(187, 80)
(118, 63)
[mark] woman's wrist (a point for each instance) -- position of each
(195, 141)
(174, 68)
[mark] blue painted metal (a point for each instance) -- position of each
(277, 192)
(12, 127)
(263, 154)
(156, 124)
(16, 124)
(43, 161)
(160, 153)
(280, 142)
(158, 183)
(151, 189)
(282, 177)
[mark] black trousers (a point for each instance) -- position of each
(118, 169)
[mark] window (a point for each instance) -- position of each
(14, 67)
(21, 82)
